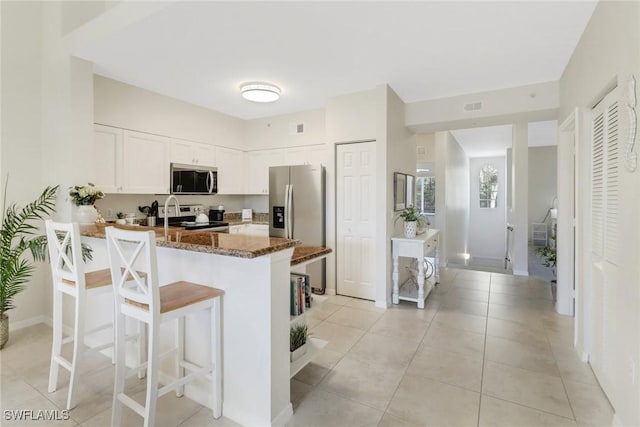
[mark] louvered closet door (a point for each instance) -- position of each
(605, 234)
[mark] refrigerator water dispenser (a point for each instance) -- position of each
(278, 217)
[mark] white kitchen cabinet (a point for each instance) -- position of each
(296, 156)
(192, 153)
(250, 229)
(237, 229)
(259, 162)
(257, 230)
(107, 155)
(230, 164)
(145, 163)
(129, 162)
(318, 154)
(307, 155)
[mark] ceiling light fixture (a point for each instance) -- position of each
(260, 92)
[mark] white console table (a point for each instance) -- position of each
(418, 247)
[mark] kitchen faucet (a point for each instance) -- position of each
(166, 214)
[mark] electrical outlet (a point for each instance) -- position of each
(109, 213)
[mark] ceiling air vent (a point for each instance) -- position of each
(473, 106)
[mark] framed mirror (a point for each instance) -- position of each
(399, 191)
(410, 200)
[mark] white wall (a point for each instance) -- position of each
(542, 182)
(518, 213)
(125, 106)
(608, 51)
(48, 107)
(498, 107)
(425, 147)
(452, 198)
(279, 131)
(122, 105)
(21, 144)
(487, 227)
(400, 157)
(348, 118)
(376, 115)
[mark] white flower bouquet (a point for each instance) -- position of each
(85, 195)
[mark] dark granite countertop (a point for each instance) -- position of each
(237, 245)
(306, 253)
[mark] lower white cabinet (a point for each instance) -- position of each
(250, 229)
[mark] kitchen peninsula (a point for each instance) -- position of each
(254, 273)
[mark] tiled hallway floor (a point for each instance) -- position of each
(488, 350)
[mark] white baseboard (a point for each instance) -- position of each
(520, 272)
(21, 324)
(283, 417)
(616, 422)
(584, 356)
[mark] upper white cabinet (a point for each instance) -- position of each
(145, 163)
(296, 156)
(307, 155)
(192, 153)
(259, 162)
(230, 164)
(130, 162)
(107, 155)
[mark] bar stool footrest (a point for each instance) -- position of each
(131, 404)
(182, 381)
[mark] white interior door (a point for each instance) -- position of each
(355, 201)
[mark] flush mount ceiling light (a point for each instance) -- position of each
(260, 92)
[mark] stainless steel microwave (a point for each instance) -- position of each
(190, 179)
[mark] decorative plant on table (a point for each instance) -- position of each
(18, 235)
(548, 254)
(412, 220)
(85, 196)
(298, 335)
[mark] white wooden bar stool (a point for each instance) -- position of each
(69, 277)
(129, 253)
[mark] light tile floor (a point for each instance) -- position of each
(488, 350)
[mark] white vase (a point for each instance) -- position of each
(410, 228)
(298, 352)
(86, 214)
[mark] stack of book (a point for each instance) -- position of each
(300, 293)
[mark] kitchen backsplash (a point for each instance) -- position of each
(128, 203)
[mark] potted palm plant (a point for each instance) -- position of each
(18, 235)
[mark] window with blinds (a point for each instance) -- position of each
(605, 161)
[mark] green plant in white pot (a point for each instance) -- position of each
(19, 235)
(298, 335)
(412, 220)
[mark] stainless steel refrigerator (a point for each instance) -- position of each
(297, 210)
